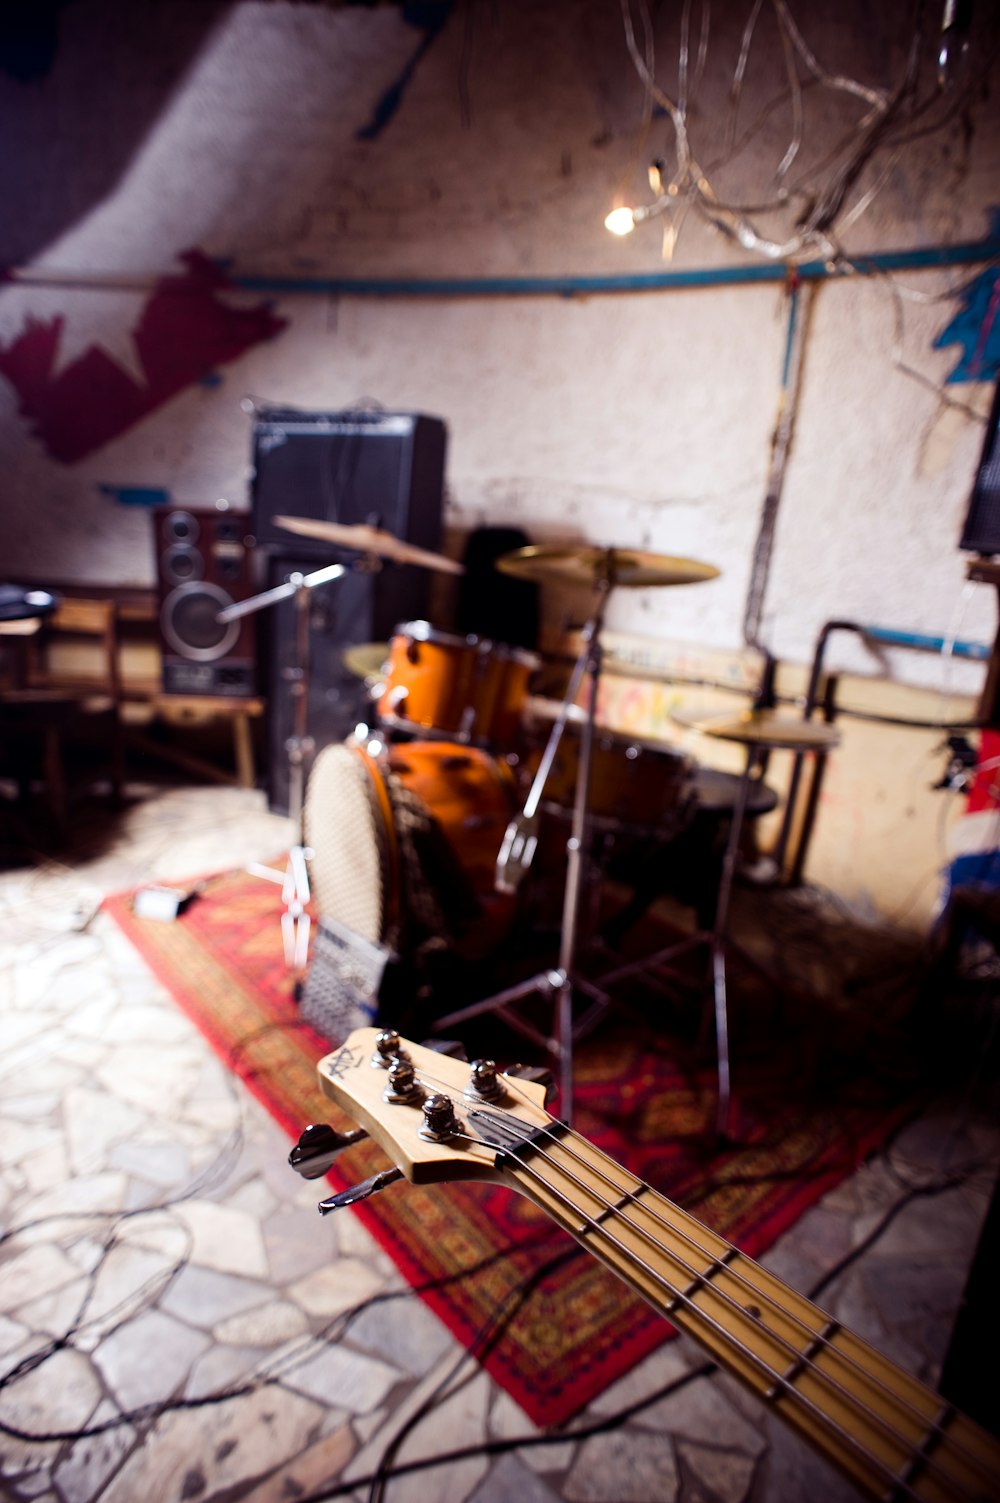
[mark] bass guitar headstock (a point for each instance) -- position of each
(436, 1117)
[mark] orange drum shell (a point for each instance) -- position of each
(460, 686)
(632, 782)
(470, 794)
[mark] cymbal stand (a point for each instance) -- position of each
(519, 843)
(294, 879)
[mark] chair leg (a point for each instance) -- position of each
(54, 775)
(118, 772)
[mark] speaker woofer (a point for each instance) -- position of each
(189, 622)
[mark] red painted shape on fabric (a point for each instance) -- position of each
(983, 793)
(184, 332)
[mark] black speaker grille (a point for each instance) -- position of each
(191, 625)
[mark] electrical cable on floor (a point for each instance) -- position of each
(284, 1363)
(613, 1421)
(487, 1336)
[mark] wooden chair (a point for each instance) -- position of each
(67, 700)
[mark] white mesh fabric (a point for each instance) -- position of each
(342, 823)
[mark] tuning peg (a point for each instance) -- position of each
(318, 1146)
(539, 1074)
(366, 1188)
(453, 1048)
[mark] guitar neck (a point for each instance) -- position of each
(891, 1435)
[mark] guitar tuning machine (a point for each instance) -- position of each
(538, 1074)
(484, 1083)
(367, 1188)
(318, 1146)
(440, 1120)
(388, 1047)
(402, 1087)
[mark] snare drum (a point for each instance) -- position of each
(636, 785)
(405, 841)
(440, 685)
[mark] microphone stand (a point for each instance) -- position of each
(294, 879)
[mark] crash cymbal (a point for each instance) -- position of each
(365, 539)
(366, 659)
(761, 728)
(593, 566)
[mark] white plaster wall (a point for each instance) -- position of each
(634, 419)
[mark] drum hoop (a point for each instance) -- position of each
(383, 803)
(423, 631)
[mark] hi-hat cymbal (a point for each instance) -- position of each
(761, 728)
(594, 566)
(365, 539)
(366, 659)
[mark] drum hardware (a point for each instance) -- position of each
(294, 879)
(365, 539)
(759, 731)
(405, 838)
(372, 545)
(601, 570)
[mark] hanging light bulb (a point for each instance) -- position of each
(954, 43)
(620, 221)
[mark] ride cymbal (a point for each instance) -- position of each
(761, 728)
(365, 539)
(592, 566)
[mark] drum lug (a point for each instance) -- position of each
(456, 763)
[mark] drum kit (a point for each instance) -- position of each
(417, 830)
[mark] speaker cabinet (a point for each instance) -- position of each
(204, 562)
(385, 469)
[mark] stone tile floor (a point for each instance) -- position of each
(174, 1313)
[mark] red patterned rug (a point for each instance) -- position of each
(548, 1322)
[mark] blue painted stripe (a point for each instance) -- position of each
(973, 253)
(927, 643)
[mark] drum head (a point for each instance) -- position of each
(342, 823)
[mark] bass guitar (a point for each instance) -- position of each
(441, 1119)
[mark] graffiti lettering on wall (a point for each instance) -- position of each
(976, 325)
(184, 332)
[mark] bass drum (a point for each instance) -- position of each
(405, 841)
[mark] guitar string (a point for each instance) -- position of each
(781, 1383)
(802, 1361)
(817, 1339)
